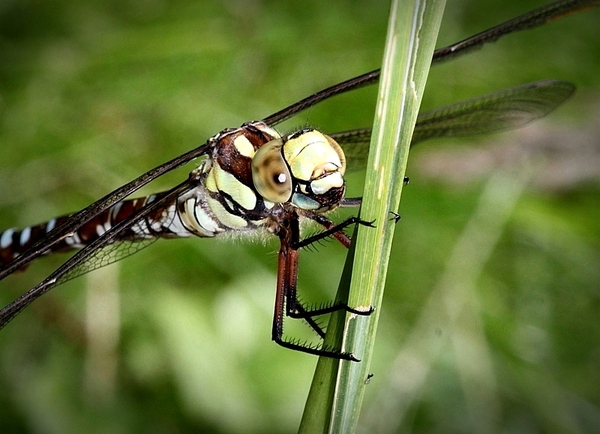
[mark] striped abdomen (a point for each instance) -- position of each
(14, 241)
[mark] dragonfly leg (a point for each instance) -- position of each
(287, 304)
(305, 313)
(331, 229)
(286, 291)
(335, 230)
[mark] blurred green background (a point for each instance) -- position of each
(491, 315)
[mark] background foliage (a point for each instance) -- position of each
(490, 317)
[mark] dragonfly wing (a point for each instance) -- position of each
(530, 20)
(504, 110)
(102, 251)
(106, 255)
(82, 217)
(537, 17)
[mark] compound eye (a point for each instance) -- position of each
(270, 173)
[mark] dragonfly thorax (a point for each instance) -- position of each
(252, 174)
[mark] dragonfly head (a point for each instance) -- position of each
(305, 168)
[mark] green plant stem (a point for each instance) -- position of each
(337, 391)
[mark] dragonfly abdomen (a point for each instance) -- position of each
(15, 241)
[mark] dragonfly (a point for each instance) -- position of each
(255, 179)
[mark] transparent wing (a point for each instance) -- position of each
(530, 20)
(109, 254)
(504, 110)
(104, 250)
(80, 218)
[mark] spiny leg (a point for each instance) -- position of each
(286, 303)
(332, 229)
(286, 280)
(305, 313)
(336, 230)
